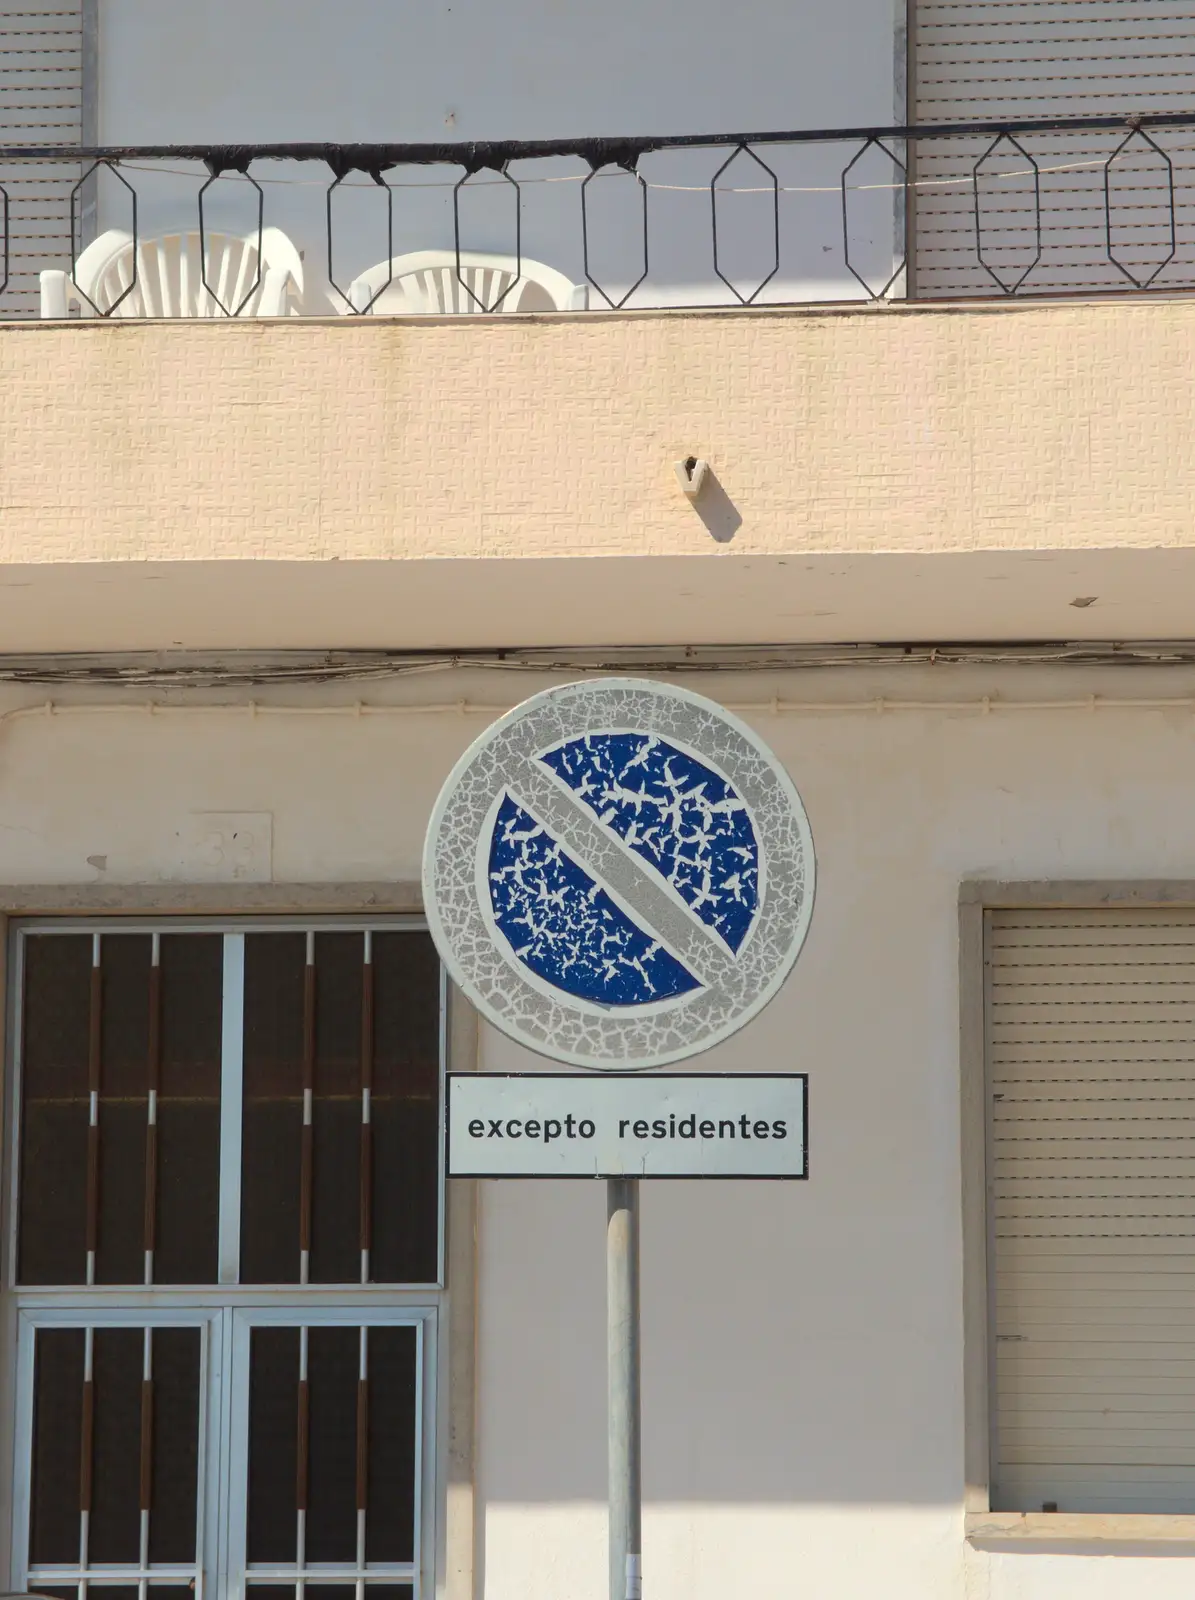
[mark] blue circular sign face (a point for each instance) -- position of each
(619, 873)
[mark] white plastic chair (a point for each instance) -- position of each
(169, 278)
(426, 283)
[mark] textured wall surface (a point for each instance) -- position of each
(930, 472)
(802, 1343)
(928, 430)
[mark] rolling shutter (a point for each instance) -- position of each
(985, 60)
(1091, 1043)
(41, 102)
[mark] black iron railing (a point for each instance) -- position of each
(1002, 208)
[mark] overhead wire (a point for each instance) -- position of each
(580, 177)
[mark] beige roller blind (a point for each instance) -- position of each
(41, 102)
(984, 60)
(1091, 1069)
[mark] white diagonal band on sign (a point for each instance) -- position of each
(576, 830)
(620, 843)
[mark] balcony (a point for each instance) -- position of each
(1009, 209)
(1005, 465)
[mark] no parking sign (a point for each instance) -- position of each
(619, 874)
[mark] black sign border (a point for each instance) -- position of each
(601, 1177)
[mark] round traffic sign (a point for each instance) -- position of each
(618, 873)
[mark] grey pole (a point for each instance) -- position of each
(622, 1343)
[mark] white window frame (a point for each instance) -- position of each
(211, 1324)
(243, 1320)
(226, 1310)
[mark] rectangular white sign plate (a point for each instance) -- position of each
(618, 1124)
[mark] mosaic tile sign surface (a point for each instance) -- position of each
(619, 873)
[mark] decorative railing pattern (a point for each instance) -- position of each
(1004, 209)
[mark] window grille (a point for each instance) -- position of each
(225, 1256)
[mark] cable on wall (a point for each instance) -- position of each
(48, 711)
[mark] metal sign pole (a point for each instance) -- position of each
(622, 1342)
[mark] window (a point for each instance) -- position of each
(41, 102)
(1043, 210)
(225, 1254)
(1090, 1039)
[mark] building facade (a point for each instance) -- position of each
(262, 579)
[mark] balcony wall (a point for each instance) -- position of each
(893, 473)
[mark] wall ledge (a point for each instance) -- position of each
(1079, 1532)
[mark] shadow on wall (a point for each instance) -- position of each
(717, 510)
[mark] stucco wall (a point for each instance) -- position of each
(896, 474)
(802, 1343)
(927, 430)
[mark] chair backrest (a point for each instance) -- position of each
(170, 273)
(427, 281)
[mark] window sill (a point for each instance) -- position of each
(1098, 1532)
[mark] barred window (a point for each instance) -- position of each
(227, 1259)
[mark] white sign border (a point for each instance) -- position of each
(655, 1177)
(554, 1025)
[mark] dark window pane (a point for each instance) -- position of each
(390, 1503)
(167, 1591)
(336, 1112)
(124, 1048)
(112, 1591)
(189, 1109)
(57, 1437)
(389, 1591)
(124, 1103)
(273, 1107)
(273, 1441)
(328, 1591)
(53, 1199)
(333, 1365)
(406, 1109)
(120, 1256)
(175, 1479)
(269, 1591)
(118, 1364)
(336, 1212)
(57, 1594)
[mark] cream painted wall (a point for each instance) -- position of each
(930, 472)
(914, 431)
(802, 1343)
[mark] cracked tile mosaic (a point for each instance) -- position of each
(619, 873)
